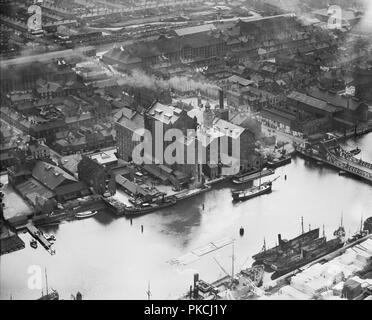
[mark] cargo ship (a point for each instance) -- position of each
(312, 251)
(268, 256)
(253, 176)
(299, 251)
(246, 173)
(148, 207)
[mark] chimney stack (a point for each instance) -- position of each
(279, 239)
(221, 98)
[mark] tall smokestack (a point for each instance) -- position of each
(221, 98)
(279, 239)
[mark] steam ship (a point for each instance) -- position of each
(268, 256)
(297, 252)
(312, 251)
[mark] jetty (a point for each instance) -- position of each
(39, 236)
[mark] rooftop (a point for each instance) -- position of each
(50, 175)
(313, 102)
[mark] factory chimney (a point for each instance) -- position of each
(221, 98)
(196, 288)
(279, 239)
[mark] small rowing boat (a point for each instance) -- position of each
(85, 214)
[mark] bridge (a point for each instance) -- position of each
(331, 153)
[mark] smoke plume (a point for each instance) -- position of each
(139, 78)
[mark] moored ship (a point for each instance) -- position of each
(314, 250)
(252, 176)
(284, 246)
(148, 207)
(299, 251)
(85, 214)
(279, 162)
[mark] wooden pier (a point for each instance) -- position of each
(39, 236)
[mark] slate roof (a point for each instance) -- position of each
(50, 175)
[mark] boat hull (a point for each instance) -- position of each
(84, 215)
(280, 163)
(138, 211)
(253, 176)
(241, 196)
(287, 267)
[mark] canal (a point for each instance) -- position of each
(109, 258)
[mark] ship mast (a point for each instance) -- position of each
(46, 281)
(232, 262)
(148, 292)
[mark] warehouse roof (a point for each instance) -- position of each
(313, 102)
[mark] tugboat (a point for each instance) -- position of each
(279, 162)
(254, 191)
(33, 243)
